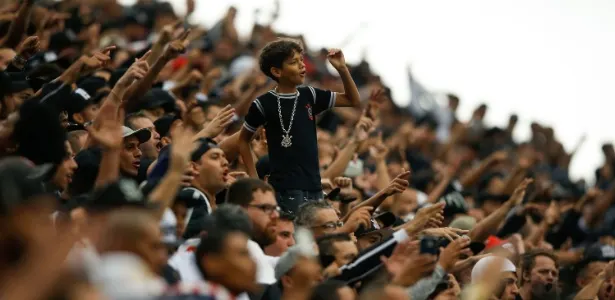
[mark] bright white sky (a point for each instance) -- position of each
(547, 60)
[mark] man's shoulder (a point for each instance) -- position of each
(268, 95)
(191, 196)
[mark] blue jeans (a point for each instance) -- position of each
(290, 200)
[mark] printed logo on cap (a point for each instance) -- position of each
(607, 251)
(83, 93)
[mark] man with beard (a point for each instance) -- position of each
(257, 198)
(539, 276)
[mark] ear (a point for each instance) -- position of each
(165, 140)
(195, 166)
(78, 118)
(525, 276)
(287, 282)
(276, 72)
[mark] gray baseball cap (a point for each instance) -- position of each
(143, 135)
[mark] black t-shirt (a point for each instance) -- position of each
(295, 167)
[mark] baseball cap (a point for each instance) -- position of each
(205, 144)
(463, 222)
(118, 194)
(455, 204)
(79, 100)
(21, 181)
(599, 252)
(92, 84)
(481, 267)
(157, 97)
(143, 135)
(163, 125)
(88, 163)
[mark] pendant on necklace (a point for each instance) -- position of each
(286, 142)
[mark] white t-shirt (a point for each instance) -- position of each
(185, 263)
(265, 264)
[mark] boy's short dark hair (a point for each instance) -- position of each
(275, 53)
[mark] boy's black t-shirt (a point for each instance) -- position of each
(295, 167)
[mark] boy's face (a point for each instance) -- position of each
(293, 69)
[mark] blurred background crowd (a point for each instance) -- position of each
(120, 176)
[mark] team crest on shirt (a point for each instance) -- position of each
(309, 109)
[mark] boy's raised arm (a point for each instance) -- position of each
(350, 97)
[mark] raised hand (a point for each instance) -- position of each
(395, 263)
(344, 183)
(136, 72)
(259, 145)
(399, 184)
(363, 128)
(362, 216)
(98, 60)
(451, 254)
(28, 47)
(447, 232)
(177, 47)
(336, 58)
(182, 147)
(190, 7)
(519, 193)
(376, 98)
(223, 119)
(167, 32)
(414, 269)
(379, 150)
(108, 133)
(234, 176)
(426, 216)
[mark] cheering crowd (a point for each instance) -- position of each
(144, 157)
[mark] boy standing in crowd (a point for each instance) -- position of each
(288, 114)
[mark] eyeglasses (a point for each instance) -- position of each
(330, 225)
(266, 208)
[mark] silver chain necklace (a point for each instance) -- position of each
(286, 137)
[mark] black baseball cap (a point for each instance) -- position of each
(599, 252)
(163, 125)
(455, 204)
(205, 144)
(20, 182)
(79, 100)
(88, 164)
(118, 194)
(157, 97)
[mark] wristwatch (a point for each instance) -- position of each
(18, 59)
